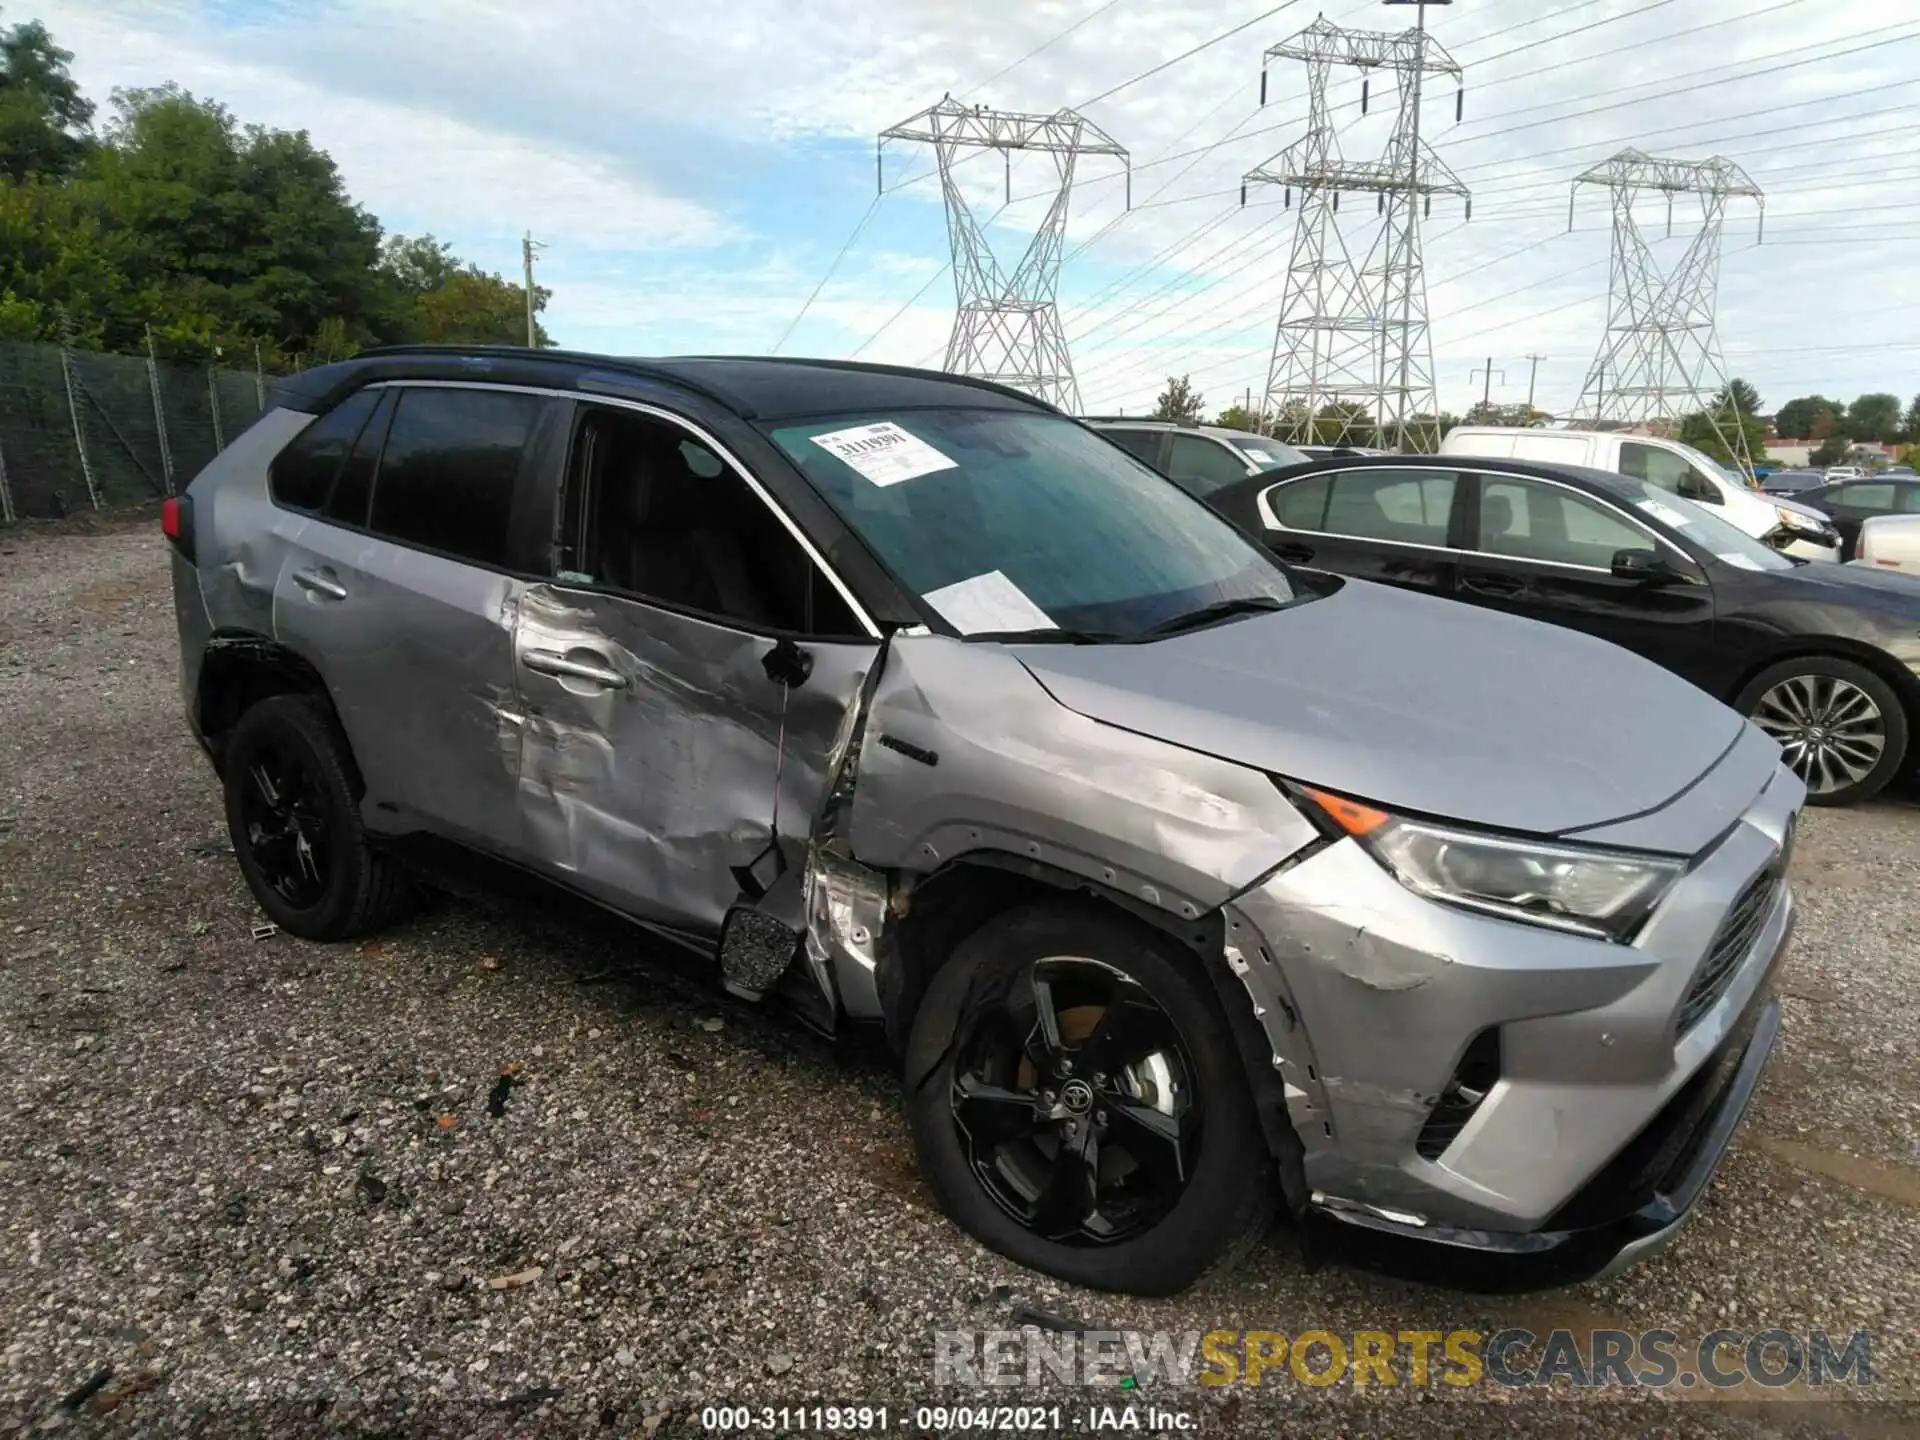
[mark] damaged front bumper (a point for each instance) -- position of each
(1632, 1210)
(1621, 1071)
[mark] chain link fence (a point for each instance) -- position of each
(84, 430)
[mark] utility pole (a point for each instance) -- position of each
(1352, 332)
(1659, 357)
(527, 246)
(1486, 386)
(1006, 325)
(1533, 372)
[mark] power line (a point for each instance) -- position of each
(1186, 54)
(1043, 45)
(872, 206)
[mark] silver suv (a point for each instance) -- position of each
(1189, 889)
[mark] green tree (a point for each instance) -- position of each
(439, 301)
(1911, 425)
(1831, 451)
(1795, 420)
(1179, 402)
(1738, 395)
(55, 258)
(1487, 412)
(1873, 417)
(1238, 417)
(1343, 422)
(43, 116)
(228, 233)
(1713, 434)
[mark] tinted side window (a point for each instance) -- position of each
(1301, 505)
(303, 472)
(667, 519)
(1143, 444)
(353, 486)
(1910, 499)
(1407, 506)
(1201, 466)
(447, 474)
(1533, 521)
(1654, 465)
(1878, 497)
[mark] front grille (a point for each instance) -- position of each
(1731, 943)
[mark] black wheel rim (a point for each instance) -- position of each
(283, 810)
(1075, 1097)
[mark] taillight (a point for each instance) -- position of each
(176, 523)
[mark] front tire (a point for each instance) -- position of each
(1078, 1105)
(295, 825)
(1841, 728)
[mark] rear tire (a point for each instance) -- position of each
(1841, 728)
(295, 825)
(1169, 1196)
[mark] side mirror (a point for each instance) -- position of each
(1644, 565)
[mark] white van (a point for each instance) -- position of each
(1787, 525)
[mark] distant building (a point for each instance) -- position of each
(1795, 453)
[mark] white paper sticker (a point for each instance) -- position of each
(986, 603)
(884, 453)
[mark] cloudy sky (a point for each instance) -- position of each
(696, 169)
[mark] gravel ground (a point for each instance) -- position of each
(503, 1173)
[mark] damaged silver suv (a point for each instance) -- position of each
(1190, 889)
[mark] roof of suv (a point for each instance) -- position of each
(752, 387)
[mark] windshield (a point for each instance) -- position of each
(1012, 521)
(1794, 480)
(1268, 454)
(1726, 543)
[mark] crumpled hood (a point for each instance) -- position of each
(1419, 704)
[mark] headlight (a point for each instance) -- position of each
(1603, 893)
(1794, 520)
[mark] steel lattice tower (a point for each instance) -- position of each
(1007, 327)
(1659, 358)
(1356, 334)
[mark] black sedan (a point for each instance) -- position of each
(1852, 503)
(1824, 657)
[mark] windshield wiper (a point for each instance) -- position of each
(1048, 634)
(1207, 614)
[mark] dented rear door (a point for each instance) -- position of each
(655, 744)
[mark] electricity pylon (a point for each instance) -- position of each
(1006, 327)
(1354, 336)
(1659, 358)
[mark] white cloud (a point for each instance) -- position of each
(614, 130)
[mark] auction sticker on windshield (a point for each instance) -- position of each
(1663, 512)
(986, 603)
(884, 453)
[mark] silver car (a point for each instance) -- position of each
(1189, 889)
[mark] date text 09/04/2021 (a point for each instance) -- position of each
(940, 1419)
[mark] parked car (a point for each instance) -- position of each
(1186, 887)
(1666, 465)
(1897, 472)
(1889, 542)
(1850, 502)
(1824, 658)
(1844, 472)
(1198, 458)
(1791, 482)
(1327, 452)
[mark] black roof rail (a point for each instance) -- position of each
(868, 367)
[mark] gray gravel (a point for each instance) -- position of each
(264, 1182)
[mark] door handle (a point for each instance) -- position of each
(320, 582)
(596, 669)
(1293, 554)
(1487, 583)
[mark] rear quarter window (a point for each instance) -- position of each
(302, 474)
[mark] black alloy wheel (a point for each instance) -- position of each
(1077, 1103)
(283, 811)
(293, 814)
